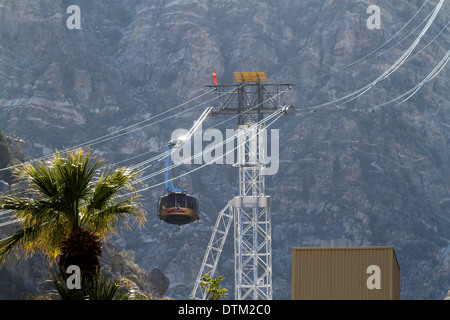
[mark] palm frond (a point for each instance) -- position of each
(67, 193)
(23, 239)
(105, 207)
(105, 287)
(42, 226)
(59, 283)
(39, 177)
(108, 186)
(105, 221)
(75, 172)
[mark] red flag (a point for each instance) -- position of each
(215, 79)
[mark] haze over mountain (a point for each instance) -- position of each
(349, 174)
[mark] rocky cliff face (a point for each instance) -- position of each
(25, 279)
(348, 176)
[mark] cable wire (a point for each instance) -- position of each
(164, 154)
(384, 44)
(119, 132)
(210, 148)
(394, 67)
(208, 163)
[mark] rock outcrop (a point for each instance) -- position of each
(27, 278)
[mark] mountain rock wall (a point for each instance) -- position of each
(350, 174)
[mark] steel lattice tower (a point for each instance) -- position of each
(250, 210)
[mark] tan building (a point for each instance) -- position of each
(348, 273)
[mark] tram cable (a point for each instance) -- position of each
(394, 67)
(120, 132)
(229, 139)
(360, 60)
(278, 112)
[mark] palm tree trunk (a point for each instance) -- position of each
(81, 248)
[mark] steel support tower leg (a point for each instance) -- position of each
(250, 212)
(252, 227)
(214, 249)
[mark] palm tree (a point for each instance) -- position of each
(104, 287)
(69, 205)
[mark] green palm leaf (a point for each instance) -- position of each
(67, 193)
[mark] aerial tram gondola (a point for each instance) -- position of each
(178, 207)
